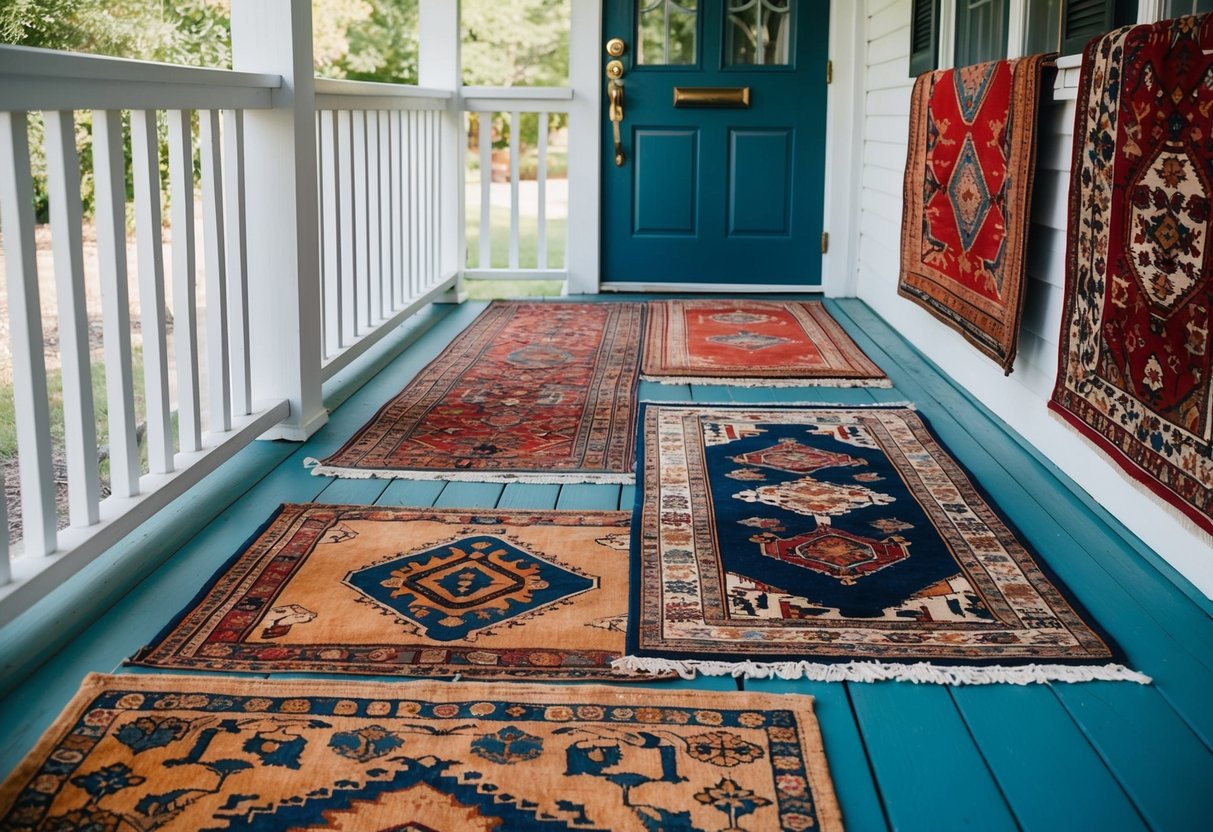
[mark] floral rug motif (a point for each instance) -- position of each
(150, 752)
(1135, 371)
(414, 592)
(837, 543)
(530, 392)
(752, 343)
(968, 193)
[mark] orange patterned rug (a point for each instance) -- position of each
(414, 592)
(752, 343)
(149, 752)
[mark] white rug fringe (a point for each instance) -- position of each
(919, 673)
(319, 470)
(770, 382)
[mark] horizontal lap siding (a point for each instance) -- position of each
(1020, 399)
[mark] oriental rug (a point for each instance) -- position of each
(1135, 372)
(752, 343)
(415, 592)
(968, 193)
(836, 543)
(530, 392)
(150, 752)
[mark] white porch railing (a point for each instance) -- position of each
(329, 212)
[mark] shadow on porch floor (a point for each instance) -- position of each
(1113, 756)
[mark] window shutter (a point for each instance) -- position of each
(1085, 19)
(924, 37)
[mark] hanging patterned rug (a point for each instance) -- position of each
(968, 192)
(752, 343)
(1135, 371)
(836, 543)
(415, 592)
(530, 392)
(144, 752)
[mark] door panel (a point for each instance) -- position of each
(717, 195)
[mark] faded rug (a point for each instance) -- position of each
(836, 543)
(1135, 371)
(752, 343)
(530, 392)
(145, 752)
(415, 592)
(968, 193)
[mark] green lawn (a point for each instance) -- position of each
(528, 240)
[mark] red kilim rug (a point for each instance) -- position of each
(532, 392)
(752, 343)
(967, 196)
(1136, 365)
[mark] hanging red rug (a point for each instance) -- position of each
(967, 196)
(1136, 366)
(530, 392)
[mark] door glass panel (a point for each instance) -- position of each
(758, 32)
(666, 31)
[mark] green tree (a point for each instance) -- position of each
(515, 43)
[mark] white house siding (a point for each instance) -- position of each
(1021, 398)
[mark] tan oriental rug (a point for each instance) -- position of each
(752, 343)
(172, 753)
(432, 592)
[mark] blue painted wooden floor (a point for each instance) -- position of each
(1108, 756)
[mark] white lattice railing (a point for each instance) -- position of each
(322, 214)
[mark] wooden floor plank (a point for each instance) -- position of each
(470, 495)
(931, 774)
(421, 493)
(651, 391)
(1047, 771)
(588, 496)
(845, 752)
(1165, 769)
(353, 492)
(529, 495)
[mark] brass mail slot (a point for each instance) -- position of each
(711, 96)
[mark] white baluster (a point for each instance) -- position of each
(218, 372)
(185, 297)
(237, 261)
(515, 138)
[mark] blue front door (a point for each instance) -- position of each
(720, 171)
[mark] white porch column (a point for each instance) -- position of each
(281, 206)
(439, 65)
(586, 60)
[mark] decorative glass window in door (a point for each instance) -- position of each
(758, 32)
(666, 31)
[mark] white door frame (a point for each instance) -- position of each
(844, 122)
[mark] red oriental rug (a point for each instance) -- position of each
(968, 191)
(1136, 367)
(752, 343)
(530, 392)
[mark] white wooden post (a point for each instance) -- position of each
(283, 259)
(439, 66)
(585, 151)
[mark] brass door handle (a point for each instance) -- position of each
(615, 113)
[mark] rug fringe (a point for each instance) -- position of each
(919, 673)
(902, 405)
(769, 382)
(318, 469)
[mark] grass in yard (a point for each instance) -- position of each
(490, 289)
(528, 240)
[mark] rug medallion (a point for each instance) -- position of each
(968, 193)
(781, 540)
(1135, 371)
(416, 592)
(165, 752)
(532, 392)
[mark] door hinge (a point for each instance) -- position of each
(829, 72)
(825, 242)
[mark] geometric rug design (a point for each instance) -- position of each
(838, 543)
(1135, 370)
(413, 592)
(529, 392)
(147, 752)
(752, 343)
(968, 193)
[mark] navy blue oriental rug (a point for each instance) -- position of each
(836, 543)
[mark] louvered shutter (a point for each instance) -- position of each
(1085, 19)
(924, 36)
